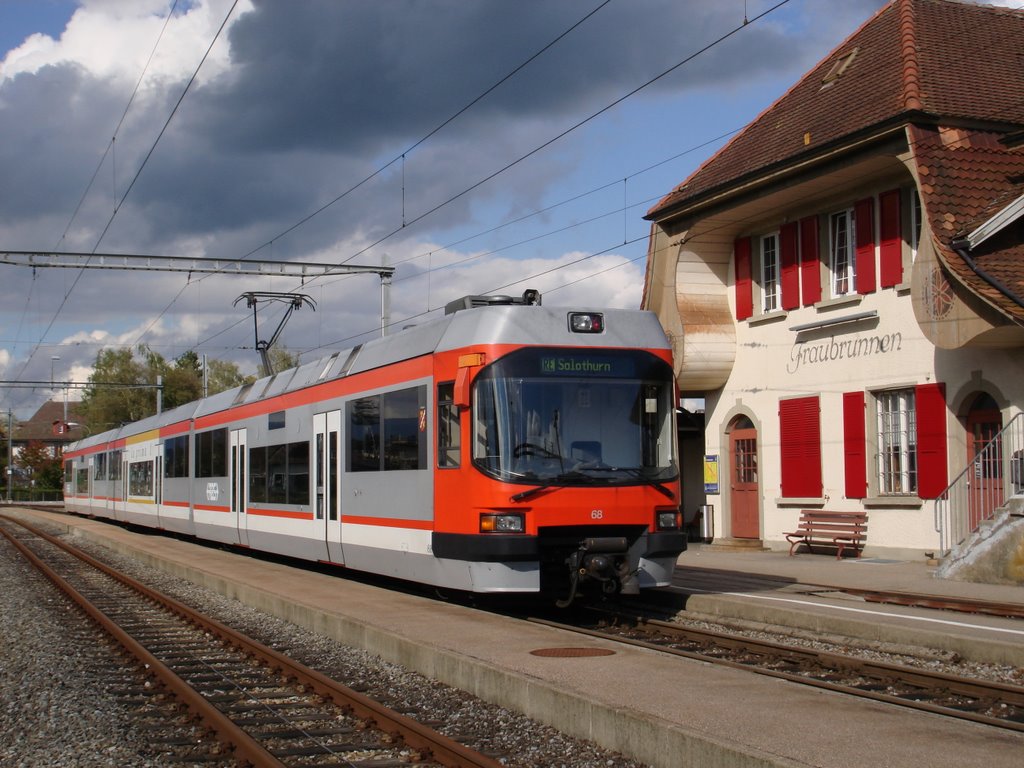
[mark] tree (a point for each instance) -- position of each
(122, 388)
(222, 376)
(43, 468)
(281, 359)
(106, 407)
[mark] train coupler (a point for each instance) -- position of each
(603, 560)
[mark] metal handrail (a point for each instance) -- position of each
(994, 474)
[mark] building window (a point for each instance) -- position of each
(897, 442)
(800, 442)
(840, 247)
(769, 273)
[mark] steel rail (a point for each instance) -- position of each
(245, 748)
(939, 602)
(1000, 692)
(414, 734)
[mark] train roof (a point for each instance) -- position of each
(471, 321)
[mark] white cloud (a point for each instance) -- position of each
(112, 39)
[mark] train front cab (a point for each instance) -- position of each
(557, 470)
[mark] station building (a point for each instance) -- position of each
(843, 284)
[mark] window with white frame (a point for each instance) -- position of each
(769, 273)
(840, 248)
(897, 442)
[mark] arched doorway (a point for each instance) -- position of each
(744, 490)
(984, 423)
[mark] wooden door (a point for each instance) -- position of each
(984, 423)
(744, 488)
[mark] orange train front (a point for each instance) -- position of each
(505, 447)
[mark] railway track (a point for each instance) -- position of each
(266, 709)
(996, 704)
(713, 580)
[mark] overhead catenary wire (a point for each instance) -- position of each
(128, 190)
(549, 142)
(619, 182)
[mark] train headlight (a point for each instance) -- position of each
(586, 322)
(503, 523)
(667, 519)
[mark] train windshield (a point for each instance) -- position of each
(575, 417)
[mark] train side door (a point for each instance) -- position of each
(326, 474)
(158, 481)
(238, 484)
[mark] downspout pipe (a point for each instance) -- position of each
(960, 246)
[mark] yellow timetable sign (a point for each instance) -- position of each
(710, 473)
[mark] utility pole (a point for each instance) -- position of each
(10, 452)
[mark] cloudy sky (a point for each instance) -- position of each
(478, 147)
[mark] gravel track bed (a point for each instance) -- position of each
(59, 716)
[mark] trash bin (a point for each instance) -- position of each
(706, 515)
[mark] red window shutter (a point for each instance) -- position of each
(788, 243)
(854, 446)
(800, 441)
(864, 212)
(890, 246)
(810, 261)
(744, 288)
(932, 467)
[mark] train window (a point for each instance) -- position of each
(176, 456)
(405, 422)
(258, 475)
(212, 453)
(575, 418)
(279, 474)
(276, 420)
(332, 459)
(364, 434)
(449, 434)
(82, 482)
(100, 468)
(140, 478)
(387, 432)
(298, 473)
(114, 467)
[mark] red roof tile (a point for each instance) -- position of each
(913, 59)
(915, 62)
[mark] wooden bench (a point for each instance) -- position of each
(838, 529)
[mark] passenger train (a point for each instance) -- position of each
(504, 447)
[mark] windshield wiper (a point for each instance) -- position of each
(558, 481)
(659, 487)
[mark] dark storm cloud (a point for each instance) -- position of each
(321, 93)
(363, 76)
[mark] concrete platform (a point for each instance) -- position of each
(659, 711)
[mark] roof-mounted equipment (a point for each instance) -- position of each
(530, 297)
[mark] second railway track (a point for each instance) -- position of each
(991, 703)
(267, 709)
